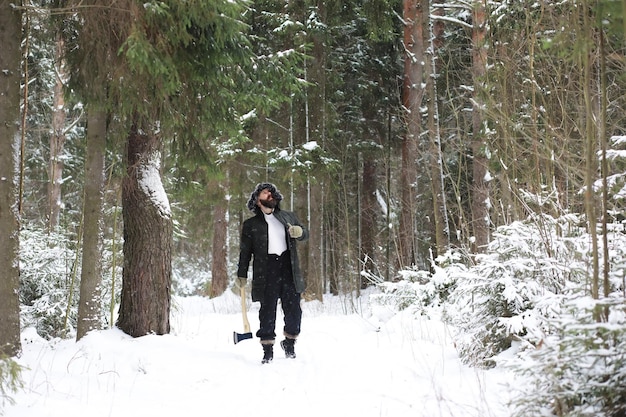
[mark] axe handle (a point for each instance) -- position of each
(246, 323)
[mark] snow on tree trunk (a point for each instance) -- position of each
(148, 231)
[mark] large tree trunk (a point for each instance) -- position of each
(480, 182)
(91, 272)
(10, 39)
(147, 275)
(57, 139)
(411, 99)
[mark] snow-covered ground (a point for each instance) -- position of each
(376, 363)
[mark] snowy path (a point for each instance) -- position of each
(382, 365)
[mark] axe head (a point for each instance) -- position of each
(238, 337)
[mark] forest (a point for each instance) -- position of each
(466, 155)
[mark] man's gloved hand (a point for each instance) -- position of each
(240, 282)
(294, 231)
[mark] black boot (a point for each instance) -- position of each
(288, 347)
(268, 353)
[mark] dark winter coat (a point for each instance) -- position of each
(254, 240)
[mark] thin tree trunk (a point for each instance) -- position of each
(147, 275)
(606, 266)
(10, 58)
(434, 37)
(369, 204)
(333, 257)
(411, 100)
(57, 139)
(219, 251)
(90, 300)
(315, 132)
(388, 171)
(590, 152)
(480, 183)
(314, 253)
(369, 209)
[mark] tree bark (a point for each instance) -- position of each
(314, 272)
(433, 32)
(315, 264)
(369, 210)
(219, 252)
(10, 58)
(480, 183)
(591, 135)
(91, 273)
(412, 93)
(57, 139)
(147, 273)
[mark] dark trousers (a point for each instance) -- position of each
(279, 285)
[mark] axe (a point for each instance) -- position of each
(238, 337)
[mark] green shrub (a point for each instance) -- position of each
(10, 381)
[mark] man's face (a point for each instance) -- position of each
(266, 199)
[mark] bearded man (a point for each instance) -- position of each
(269, 240)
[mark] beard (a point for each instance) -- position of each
(271, 204)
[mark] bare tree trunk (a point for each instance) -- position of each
(99, 42)
(147, 275)
(606, 266)
(480, 182)
(334, 259)
(434, 37)
(10, 59)
(591, 168)
(411, 99)
(57, 139)
(388, 180)
(315, 132)
(315, 270)
(369, 209)
(219, 252)
(90, 301)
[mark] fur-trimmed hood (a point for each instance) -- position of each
(254, 197)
